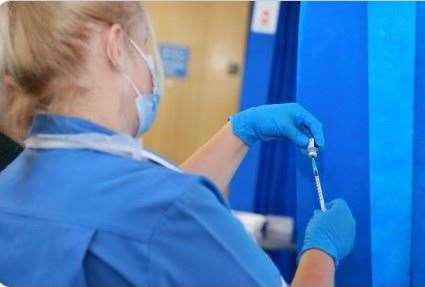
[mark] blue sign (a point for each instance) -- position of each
(175, 59)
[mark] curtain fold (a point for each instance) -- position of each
(275, 188)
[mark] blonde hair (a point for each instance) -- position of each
(45, 43)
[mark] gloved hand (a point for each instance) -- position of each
(276, 122)
(332, 231)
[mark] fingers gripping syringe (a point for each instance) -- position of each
(312, 153)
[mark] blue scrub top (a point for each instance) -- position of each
(86, 218)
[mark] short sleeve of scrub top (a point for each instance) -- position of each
(212, 247)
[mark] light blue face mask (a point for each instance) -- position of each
(147, 105)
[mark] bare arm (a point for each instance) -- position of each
(316, 269)
(219, 158)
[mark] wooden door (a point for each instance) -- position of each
(195, 107)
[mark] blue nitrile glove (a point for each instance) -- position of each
(332, 231)
(276, 122)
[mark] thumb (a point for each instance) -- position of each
(298, 137)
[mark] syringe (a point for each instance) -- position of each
(312, 153)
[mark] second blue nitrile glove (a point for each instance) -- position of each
(332, 231)
(276, 122)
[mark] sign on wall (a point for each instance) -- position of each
(265, 16)
(175, 59)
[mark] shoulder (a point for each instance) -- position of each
(111, 193)
(139, 195)
(199, 242)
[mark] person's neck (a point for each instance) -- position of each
(104, 120)
(103, 113)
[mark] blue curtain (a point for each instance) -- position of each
(333, 84)
(361, 71)
(418, 196)
(275, 188)
(259, 65)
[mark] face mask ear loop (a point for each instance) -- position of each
(140, 51)
(139, 95)
(132, 84)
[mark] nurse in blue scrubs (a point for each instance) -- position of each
(85, 205)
